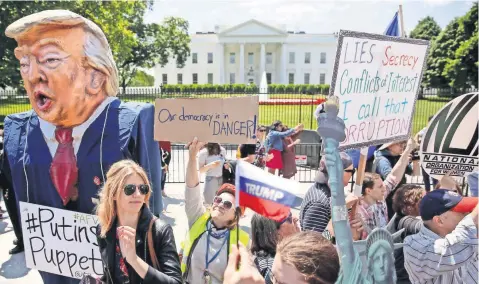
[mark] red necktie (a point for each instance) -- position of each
(64, 171)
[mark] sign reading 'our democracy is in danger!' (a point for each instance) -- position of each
(222, 120)
(450, 142)
(60, 241)
(377, 79)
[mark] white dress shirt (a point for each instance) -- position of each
(48, 129)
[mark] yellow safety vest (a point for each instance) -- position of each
(198, 228)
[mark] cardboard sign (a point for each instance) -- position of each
(301, 160)
(60, 241)
(376, 79)
(221, 120)
(450, 141)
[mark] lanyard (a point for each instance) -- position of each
(226, 236)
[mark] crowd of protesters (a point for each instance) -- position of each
(440, 225)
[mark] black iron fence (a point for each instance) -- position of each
(290, 105)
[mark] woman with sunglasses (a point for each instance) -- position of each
(212, 231)
(265, 235)
(135, 246)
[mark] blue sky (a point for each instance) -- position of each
(312, 16)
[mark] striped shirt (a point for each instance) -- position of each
(430, 259)
(315, 210)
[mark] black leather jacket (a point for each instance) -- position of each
(165, 248)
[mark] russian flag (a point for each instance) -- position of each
(264, 193)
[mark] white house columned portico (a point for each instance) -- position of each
(240, 54)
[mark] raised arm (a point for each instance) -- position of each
(445, 254)
(394, 177)
(193, 205)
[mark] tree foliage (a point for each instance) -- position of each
(452, 60)
(134, 43)
(426, 29)
(142, 79)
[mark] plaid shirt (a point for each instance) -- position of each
(376, 215)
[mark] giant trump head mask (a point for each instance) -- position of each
(66, 65)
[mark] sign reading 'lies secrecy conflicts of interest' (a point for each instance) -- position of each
(60, 241)
(377, 79)
(221, 120)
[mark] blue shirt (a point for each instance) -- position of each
(274, 140)
(472, 181)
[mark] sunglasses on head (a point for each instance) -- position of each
(226, 204)
(129, 189)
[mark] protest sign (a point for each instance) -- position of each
(450, 141)
(60, 241)
(222, 120)
(376, 79)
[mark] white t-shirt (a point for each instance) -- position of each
(204, 159)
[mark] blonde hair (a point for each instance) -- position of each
(115, 180)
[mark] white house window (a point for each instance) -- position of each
(250, 58)
(179, 78)
(194, 58)
(210, 57)
(164, 79)
(291, 58)
(268, 78)
(269, 58)
(322, 59)
(306, 78)
(307, 57)
(232, 58)
(291, 78)
(232, 78)
(195, 78)
(322, 78)
(210, 78)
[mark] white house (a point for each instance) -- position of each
(240, 54)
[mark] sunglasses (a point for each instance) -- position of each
(352, 171)
(226, 204)
(288, 219)
(129, 189)
(262, 130)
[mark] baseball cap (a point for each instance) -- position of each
(440, 201)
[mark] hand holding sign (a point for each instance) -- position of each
(194, 147)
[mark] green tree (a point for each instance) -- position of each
(134, 43)
(142, 79)
(461, 69)
(442, 48)
(426, 29)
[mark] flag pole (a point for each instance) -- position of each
(401, 20)
(237, 203)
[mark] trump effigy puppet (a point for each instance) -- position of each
(58, 153)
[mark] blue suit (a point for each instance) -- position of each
(128, 134)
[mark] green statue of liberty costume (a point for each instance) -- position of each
(379, 246)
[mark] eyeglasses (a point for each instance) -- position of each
(288, 219)
(226, 204)
(129, 189)
(351, 171)
(262, 130)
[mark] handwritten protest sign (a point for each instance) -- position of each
(60, 241)
(222, 120)
(377, 79)
(450, 141)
